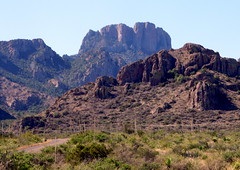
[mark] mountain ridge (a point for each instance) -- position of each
(174, 88)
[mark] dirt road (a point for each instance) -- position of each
(36, 148)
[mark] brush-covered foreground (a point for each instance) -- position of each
(128, 150)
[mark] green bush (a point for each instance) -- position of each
(87, 152)
(150, 166)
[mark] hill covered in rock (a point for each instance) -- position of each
(189, 88)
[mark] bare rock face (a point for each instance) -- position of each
(205, 96)
(103, 87)
(186, 60)
(153, 69)
(129, 43)
(193, 57)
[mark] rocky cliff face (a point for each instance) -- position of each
(170, 89)
(129, 43)
(186, 60)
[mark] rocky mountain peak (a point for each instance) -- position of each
(144, 38)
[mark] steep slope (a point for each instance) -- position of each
(176, 89)
(90, 65)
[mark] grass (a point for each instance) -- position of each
(141, 150)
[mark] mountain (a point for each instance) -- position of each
(128, 43)
(104, 52)
(190, 87)
(90, 65)
(29, 71)
(32, 74)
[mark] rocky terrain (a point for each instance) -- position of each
(104, 52)
(28, 69)
(188, 88)
(33, 74)
(128, 43)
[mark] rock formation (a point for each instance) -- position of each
(128, 43)
(186, 60)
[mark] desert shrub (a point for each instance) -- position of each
(56, 115)
(148, 154)
(180, 78)
(87, 152)
(110, 164)
(28, 138)
(231, 156)
(101, 137)
(168, 162)
(22, 161)
(237, 166)
(150, 166)
(183, 165)
(128, 129)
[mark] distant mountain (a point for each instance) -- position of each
(28, 69)
(191, 87)
(131, 44)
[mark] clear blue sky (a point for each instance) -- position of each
(62, 24)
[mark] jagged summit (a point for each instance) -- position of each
(144, 38)
(191, 85)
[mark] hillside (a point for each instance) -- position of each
(29, 70)
(189, 88)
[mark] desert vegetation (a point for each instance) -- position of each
(127, 150)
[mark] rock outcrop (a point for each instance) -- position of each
(153, 69)
(187, 60)
(128, 43)
(103, 87)
(207, 96)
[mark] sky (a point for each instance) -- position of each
(62, 24)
